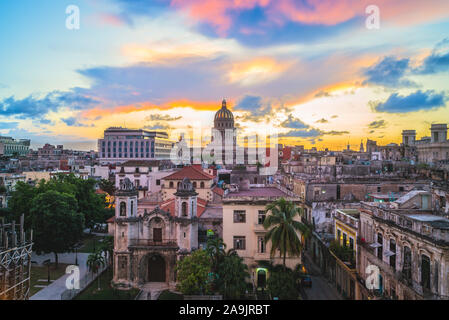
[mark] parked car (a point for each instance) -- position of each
(307, 281)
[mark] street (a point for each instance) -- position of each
(321, 289)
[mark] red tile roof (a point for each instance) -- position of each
(218, 191)
(191, 172)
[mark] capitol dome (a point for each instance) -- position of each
(224, 117)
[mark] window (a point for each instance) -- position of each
(351, 243)
(239, 216)
(123, 209)
(184, 209)
(158, 182)
(239, 243)
(425, 272)
(407, 264)
(137, 182)
(401, 189)
(202, 185)
(379, 189)
(260, 245)
(194, 184)
(261, 216)
(344, 240)
(393, 257)
(380, 248)
(171, 184)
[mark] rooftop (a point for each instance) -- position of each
(258, 192)
(191, 172)
(141, 163)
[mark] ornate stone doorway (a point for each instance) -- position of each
(156, 269)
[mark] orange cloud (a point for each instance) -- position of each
(144, 106)
(256, 71)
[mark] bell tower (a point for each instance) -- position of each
(186, 214)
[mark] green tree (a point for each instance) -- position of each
(21, 200)
(90, 204)
(232, 275)
(107, 186)
(107, 247)
(57, 225)
(193, 273)
(216, 249)
(283, 229)
(95, 261)
(282, 283)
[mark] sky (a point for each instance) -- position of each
(315, 71)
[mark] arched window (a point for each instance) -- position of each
(425, 272)
(171, 184)
(194, 184)
(132, 207)
(202, 185)
(122, 209)
(184, 209)
(179, 183)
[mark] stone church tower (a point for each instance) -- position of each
(186, 212)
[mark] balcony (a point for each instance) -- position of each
(258, 228)
(151, 243)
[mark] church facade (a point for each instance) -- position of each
(147, 245)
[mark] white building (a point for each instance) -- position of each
(120, 145)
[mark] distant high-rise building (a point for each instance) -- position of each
(122, 144)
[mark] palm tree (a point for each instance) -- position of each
(107, 247)
(216, 249)
(94, 262)
(283, 229)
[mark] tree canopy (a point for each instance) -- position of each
(57, 225)
(193, 273)
(91, 205)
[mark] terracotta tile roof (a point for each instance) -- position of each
(218, 191)
(141, 163)
(193, 173)
(110, 220)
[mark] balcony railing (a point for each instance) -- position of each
(152, 243)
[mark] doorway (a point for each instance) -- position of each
(156, 269)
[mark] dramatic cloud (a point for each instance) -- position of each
(255, 107)
(377, 124)
(73, 122)
(263, 22)
(302, 133)
(162, 117)
(389, 72)
(158, 126)
(417, 101)
(34, 107)
(294, 123)
(438, 61)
